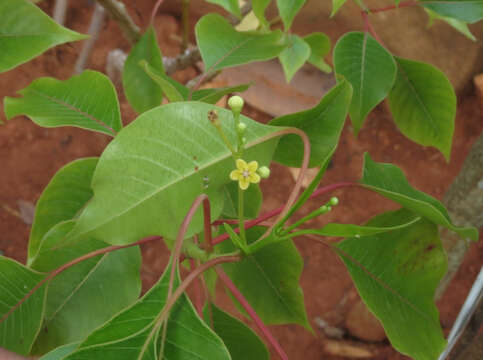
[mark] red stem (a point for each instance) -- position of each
(155, 10)
(207, 224)
(60, 269)
(393, 7)
(369, 28)
(258, 322)
(197, 290)
(275, 212)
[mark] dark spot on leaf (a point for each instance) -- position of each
(430, 247)
(194, 157)
(196, 168)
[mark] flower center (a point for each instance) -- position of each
(246, 173)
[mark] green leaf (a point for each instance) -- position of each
(319, 47)
(288, 9)
(459, 25)
(294, 56)
(86, 295)
(396, 274)
(231, 6)
(423, 104)
(252, 200)
(336, 5)
(370, 69)
(212, 95)
(259, 7)
(170, 88)
(241, 341)
(141, 91)
(128, 332)
(60, 352)
(234, 48)
(269, 279)
(469, 11)
(389, 181)
(26, 31)
(149, 175)
(19, 329)
(65, 195)
(323, 125)
(88, 101)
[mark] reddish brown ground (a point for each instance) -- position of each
(31, 155)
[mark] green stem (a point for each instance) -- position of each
(241, 222)
(310, 216)
(226, 141)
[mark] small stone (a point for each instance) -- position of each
(346, 349)
(361, 323)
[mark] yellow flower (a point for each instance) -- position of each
(245, 173)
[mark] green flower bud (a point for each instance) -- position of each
(236, 103)
(244, 140)
(241, 127)
(264, 172)
(334, 201)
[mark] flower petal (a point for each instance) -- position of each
(241, 164)
(243, 183)
(252, 166)
(254, 178)
(235, 175)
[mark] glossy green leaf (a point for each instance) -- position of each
(469, 11)
(234, 48)
(319, 48)
(269, 279)
(60, 352)
(26, 31)
(65, 195)
(212, 95)
(459, 25)
(129, 332)
(231, 6)
(241, 341)
(396, 274)
(288, 9)
(323, 125)
(86, 295)
(423, 104)
(370, 69)
(389, 181)
(336, 5)
(19, 329)
(149, 175)
(141, 91)
(164, 84)
(252, 201)
(259, 7)
(294, 56)
(88, 101)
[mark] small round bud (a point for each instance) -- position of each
(244, 140)
(324, 208)
(241, 127)
(264, 172)
(329, 207)
(236, 103)
(334, 201)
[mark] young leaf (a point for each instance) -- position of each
(259, 7)
(336, 5)
(26, 31)
(88, 101)
(169, 87)
(269, 279)
(294, 56)
(19, 329)
(149, 175)
(396, 274)
(323, 125)
(66, 194)
(60, 352)
(459, 25)
(469, 11)
(231, 6)
(241, 341)
(288, 9)
(423, 104)
(319, 47)
(128, 333)
(252, 198)
(234, 48)
(141, 91)
(389, 181)
(370, 69)
(86, 295)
